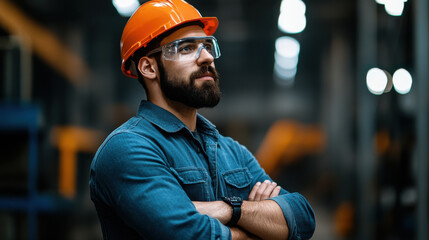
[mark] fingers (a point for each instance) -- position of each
(264, 190)
(252, 194)
(275, 192)
(268, 190)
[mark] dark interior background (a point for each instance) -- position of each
(365, 178)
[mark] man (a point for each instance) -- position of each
(167, 173)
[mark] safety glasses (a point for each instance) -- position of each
(188, 48)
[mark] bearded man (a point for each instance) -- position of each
(167, 173)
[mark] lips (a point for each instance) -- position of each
(206, 76)
(205, 73)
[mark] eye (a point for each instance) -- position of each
(208, 47)
(186, 48)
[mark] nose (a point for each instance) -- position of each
(204, 57)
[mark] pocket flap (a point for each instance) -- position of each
(190, 175)
(238, 178)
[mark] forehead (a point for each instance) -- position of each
(189, 31)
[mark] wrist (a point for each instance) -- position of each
(228, 212)
(235, 205)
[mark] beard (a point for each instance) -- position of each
(184, 90)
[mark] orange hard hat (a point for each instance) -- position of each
(154, 18)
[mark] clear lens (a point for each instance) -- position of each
(190, 48)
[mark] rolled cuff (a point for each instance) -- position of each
(298, 214)
(219, 231)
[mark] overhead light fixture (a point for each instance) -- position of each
(286, 59)
(126, 8)
(393, 7)
(292, 16)
(376, 81)
(402, 81)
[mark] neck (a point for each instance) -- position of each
(187, 115)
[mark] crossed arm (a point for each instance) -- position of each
(261, 218)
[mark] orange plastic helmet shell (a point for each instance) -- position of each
(154, 18)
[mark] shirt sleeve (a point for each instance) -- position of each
(136, 181)
(297, 211)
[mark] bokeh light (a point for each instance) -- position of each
(126, 7)
(376, 81)
(292, 16)
(402, 81)
(286, 58)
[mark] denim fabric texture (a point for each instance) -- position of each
(148, 171)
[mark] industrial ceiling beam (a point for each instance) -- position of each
(44, 43)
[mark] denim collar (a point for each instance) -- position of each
(170, 123)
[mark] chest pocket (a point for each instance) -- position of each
(194, 181)
(238, 182)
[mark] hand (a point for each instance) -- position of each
(262, 191)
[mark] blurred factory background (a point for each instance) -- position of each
(330, 95)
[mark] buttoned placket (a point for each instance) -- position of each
(209, 150)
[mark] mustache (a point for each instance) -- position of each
(203, 71)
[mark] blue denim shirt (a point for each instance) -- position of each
(147, 172)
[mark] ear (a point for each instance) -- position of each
(148, 67)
